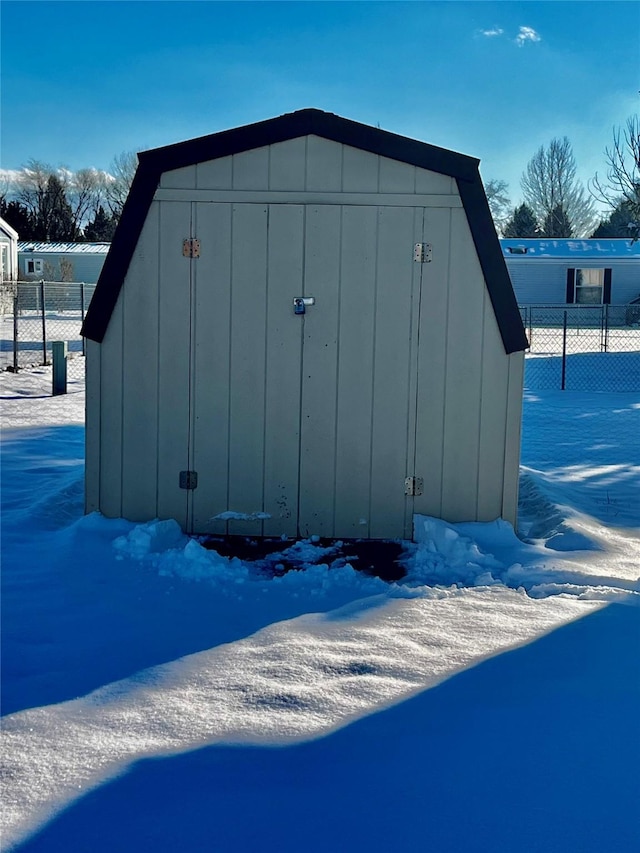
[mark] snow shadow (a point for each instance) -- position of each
(600, 474)
(585, 371)
(517, 753)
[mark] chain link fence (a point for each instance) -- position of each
(582, 347)
(35, 314)
(571, 347)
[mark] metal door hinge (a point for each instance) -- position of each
(422, 253)
(191, 247)
(413, 486)
(188, 480)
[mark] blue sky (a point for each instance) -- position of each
(83, 81)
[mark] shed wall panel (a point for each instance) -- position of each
(320, 369)
(493, 419)
(432, 312)
(212, 365)
(433, 182)
(174, 331)
(251, 169)
(140, 376)
(111, 414)
(467, 294)
(324, 165)
(395, 177)
(392, 379)
(283, 370)
(355, 371)
(359, 170)
(287, 165)
(512, 444)
(248, 355)
(184, 178)
(92, 431)
(215, 174)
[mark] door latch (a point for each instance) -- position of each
(300, 304)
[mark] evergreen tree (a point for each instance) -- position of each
(19, 218)
(101, 229)
(522, 224)
(619, 224)
(556, 223)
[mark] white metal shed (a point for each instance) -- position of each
(394, 387)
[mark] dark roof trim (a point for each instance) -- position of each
(493, 265)
(291, 126)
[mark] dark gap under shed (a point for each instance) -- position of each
(375, 557)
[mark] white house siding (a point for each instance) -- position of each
(8, 251)
(85, 266)
(543, 280)
(397, 370)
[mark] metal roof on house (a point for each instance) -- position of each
(43, 248)
(571, 249)
(292, 126)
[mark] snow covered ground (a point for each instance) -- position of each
(161, 697)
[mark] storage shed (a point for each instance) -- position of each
(304, 326)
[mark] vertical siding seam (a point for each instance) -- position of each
(336, 414)
(232, 210)
(412, 473)
(266, 363)
(483, 364)
(306, 162)
(159, 306)
(341, 167)
(122, 379)
(191, 414)
(373, 365)
(301, 373)
(411, 392)
(445, 366)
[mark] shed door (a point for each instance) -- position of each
(307, 418)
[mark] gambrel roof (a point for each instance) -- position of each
(291, 126)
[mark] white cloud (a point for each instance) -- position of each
(496, 31)
(527, 34)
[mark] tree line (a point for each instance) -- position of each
(58, 205)
(556, 204)
(43, 203)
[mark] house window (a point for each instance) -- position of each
(34, 266)
(4, 263)
(589, 286)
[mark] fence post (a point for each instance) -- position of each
(564, 352)
(15, 331)
(82, 313)
(606, 328)
(44, 325)
(59, 371)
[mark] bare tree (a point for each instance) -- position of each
(31, 186)
(550, 184)
(122, 170)
(497, 192)
(621, 184)
(86, 192)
